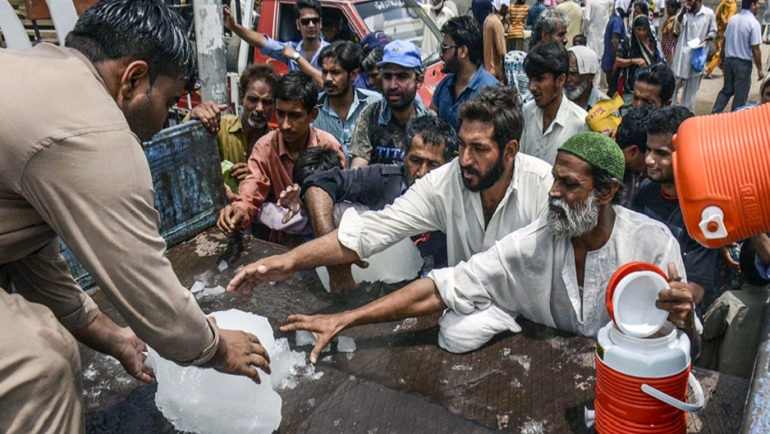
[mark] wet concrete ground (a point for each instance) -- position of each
(397, 380)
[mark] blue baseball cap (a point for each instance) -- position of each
(401, 53)
(374, 40)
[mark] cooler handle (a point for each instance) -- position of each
(684, 406)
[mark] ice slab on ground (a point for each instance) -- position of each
(346, 344)
(303, 338)
(217, 290)
(222, 265)
(197, 287)
(397, 263)
(206, 277)
(206, 401)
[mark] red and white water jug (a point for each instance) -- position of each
(642, 360)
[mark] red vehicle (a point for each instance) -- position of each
(400, 19)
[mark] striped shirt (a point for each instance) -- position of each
(517, 15)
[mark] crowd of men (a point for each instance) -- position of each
(523, 210)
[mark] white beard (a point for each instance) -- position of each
(576, 221)
(576, 92)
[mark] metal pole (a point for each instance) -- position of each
(243, 49)
(210, 42)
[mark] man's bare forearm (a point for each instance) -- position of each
(255, 39)
(312, 71)
(326, 250)
(320, 210)
(419, 298)
(100, 334)
(757, 56)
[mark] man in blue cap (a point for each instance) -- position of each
(380, 131)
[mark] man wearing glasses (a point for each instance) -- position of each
(302, 55)
(462, 51)
(380, 131)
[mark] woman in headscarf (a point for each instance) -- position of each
(639, 49)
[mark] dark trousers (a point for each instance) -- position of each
(737, 82)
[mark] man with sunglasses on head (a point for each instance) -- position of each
(301, 55)
(462, 51)
(381, 128)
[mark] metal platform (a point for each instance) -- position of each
(398, 380)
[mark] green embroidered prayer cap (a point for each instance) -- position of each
(597, 150)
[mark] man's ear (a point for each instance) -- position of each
(606, 195)
(462, 52)
(135, 80)
(560, 80)
(313, 114)
(633, 150)
(420, 78)
(511, 149)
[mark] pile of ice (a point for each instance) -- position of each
(399, 262)
(345, 344)
(204, 285)
(206, 401)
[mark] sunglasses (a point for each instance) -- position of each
(307, 21)
(445, 47)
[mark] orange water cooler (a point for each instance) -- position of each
(642, 360)
(722, 171)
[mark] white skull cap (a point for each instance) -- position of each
(587, 59)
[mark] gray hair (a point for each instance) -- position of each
(546, 24)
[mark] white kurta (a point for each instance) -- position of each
(692, 26)
(440, 202)
(429, 42)
(596, 15)
(569, 120)
(532, 273)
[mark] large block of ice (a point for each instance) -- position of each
(206, 401)
(399, 262)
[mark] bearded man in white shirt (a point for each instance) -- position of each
(489, 191)
(553, 272)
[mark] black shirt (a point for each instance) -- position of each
(699, 261)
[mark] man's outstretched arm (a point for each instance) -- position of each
(320, 209)
(255, 39)
(416, 299)
(326, 250)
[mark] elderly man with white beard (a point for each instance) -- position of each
(553, 272)
(579, 87)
